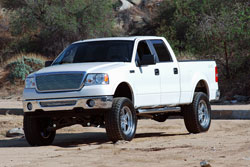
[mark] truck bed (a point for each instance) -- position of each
(190, 73)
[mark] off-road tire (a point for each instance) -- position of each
(115, 120)
(195, 121)
(35, 131)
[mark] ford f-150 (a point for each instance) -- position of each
(113, 82)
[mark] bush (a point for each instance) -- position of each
(22, 66)
(47, 26)
(12, 4)
(209, 29)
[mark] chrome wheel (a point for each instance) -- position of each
(121, 120)
(126, 119)
(203, 114)
(197, 115)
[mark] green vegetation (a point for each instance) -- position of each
(47, 26)
(13, 4)
(22, 66)
(211, 29)
(204, 29)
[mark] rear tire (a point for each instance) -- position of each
(121, 120)
(197, 115)
(35, 130)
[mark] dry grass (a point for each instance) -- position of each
(7, 88)
(20, 55)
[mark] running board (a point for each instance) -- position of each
(158, 110)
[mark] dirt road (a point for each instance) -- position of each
(156, 144)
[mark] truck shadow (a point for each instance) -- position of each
(63, 140)
(68, 140)
(158, 134)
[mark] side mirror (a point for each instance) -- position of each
(148, 60)
(48, 63)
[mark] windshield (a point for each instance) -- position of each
(98, 51)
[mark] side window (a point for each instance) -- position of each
(142, 50)
(161, 50)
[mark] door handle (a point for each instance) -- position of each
(175, 70)
(157, 72)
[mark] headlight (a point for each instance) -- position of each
(30, 83)
(97, 79)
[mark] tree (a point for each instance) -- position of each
(47, 26)
(223, 34)
(218, 30)
(12, 4)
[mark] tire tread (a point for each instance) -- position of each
(112, 120)
(32, 133)
(191, 115)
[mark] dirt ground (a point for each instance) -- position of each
(227, 143)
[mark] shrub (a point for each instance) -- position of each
(209, 29)
(22, 66)
(47, 26)
(12, 4)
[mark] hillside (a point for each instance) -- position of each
(197, 30)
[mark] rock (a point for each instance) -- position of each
(137, 19)
(126, 5)
(15, 132)
(8, 97)
(138, 22)
(119, 142)
(240, 98)
(136, 2)
(205, 164)
(246, 158)
(213, 148)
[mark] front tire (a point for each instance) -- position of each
(35, 130)
(121, 120)
(197, 115)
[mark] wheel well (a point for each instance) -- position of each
(124, 90)
(202, 87)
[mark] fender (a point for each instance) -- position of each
(130, 87)
(196, 79)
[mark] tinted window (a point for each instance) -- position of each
(143, 49)
(98, 51)
(161, 50)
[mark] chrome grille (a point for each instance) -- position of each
(58, 103)
(59, 81)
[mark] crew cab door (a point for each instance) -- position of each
(169, 73)
(146, 78)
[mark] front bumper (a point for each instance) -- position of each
(98, 102)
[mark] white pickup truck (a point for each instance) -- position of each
(113, 82)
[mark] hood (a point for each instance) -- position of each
(100, 67)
